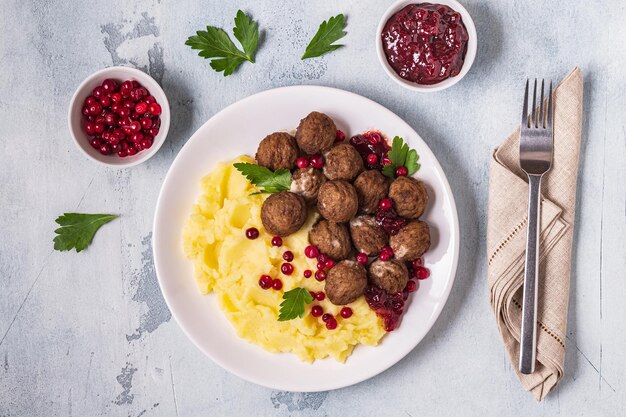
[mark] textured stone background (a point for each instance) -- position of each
(89, 334)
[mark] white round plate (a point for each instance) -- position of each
(237, 130)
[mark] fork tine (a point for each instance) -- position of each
(533, 119)
(549, 123)
(541, 121)
(525, 109)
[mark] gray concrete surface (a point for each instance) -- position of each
(89, 334)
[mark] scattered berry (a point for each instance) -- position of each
(384, 256)
(317, 161)
(385, 204)
(401, 172)
(411, 286)
(317, 311)
(331, 324)
(321, 266)
(361, 258)
(339, 136)
(277, 284)
(329, 263)
(320, 275)
(307, 273)
(288, 256)
(422, 273)
(372, 159)
(387, 249)
(327, 317)
(322, 258)
(277, 241)
(266, 282)
(311, 251)
(346, 312)
(302, 162)
(251, 233)
(286, 268)
(320, 296)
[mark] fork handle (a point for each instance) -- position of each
(528, 344)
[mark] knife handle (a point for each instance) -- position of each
(528, 342)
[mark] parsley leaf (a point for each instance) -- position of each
(293, 304)
(78, 229)
(268, 181)
(215, 44)
(328, 32)
(247, 33)
(401, 155)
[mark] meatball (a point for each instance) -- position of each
(331, 238)
(277, 151)
(371, 187)
(316, 133)
(343, 162)
(391, 276)
(411, 242)
(337, 201)
(345, 282)
(367, 236)
(283, 213)
(306, 182)
(409, 197)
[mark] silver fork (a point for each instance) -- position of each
(535, 152)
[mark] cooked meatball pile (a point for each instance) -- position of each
(334, 179)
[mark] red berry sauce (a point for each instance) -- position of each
(388, 306)
(371, 143)
(121, 119)
(389, 220)
(425, 43)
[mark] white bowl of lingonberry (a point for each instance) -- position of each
(119, 116)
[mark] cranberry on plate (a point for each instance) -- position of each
(121, 119)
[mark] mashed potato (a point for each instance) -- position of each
(229, 264)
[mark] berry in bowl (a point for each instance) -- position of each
(119, 116)
(426, 47)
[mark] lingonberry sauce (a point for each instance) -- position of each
(388, 306)
(425, 43)
(372, 147)
(389, 220)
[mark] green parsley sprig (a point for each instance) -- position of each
(268, 181)
(293, 304)
(215, 44)
(400, 155)
(78, 229)
(328, 32)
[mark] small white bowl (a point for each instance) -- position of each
(76, 122)
(472, 45)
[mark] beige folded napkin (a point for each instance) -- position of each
(506, 239)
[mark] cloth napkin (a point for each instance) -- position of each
(506, 239)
